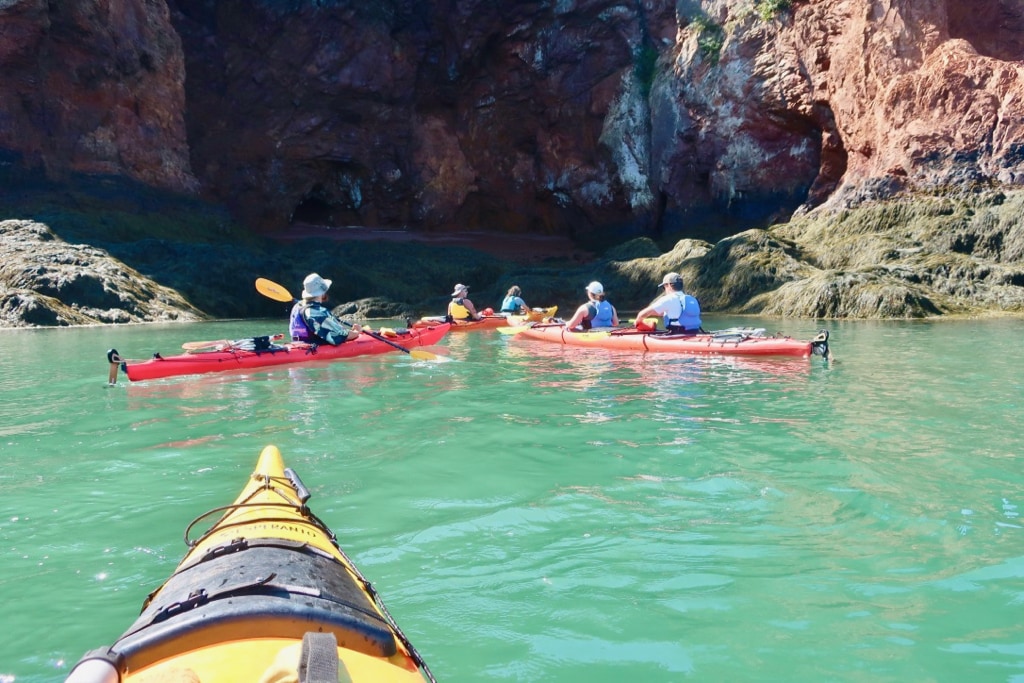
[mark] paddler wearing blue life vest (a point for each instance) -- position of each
(597, 312)
(680, 312)
(312, 322)
(513, 302)
(461, 308)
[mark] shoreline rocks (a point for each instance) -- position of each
(920, 257)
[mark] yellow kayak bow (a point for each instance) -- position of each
(265, 595)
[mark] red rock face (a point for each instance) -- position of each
(924, 94)
(842, 101)
(94, 87)
(585, 118)
(455, 116)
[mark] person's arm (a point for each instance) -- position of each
(332, 330)
(615, 317)
(646, 313)
(328, 328)
(322, 325)
(577, 317)
(471, 308)
(655, 310)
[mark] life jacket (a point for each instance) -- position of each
(681, 312)
(599, 314)
(306, 325)
(297, 327)
(689, 316)
(457, 311)
(512, 304)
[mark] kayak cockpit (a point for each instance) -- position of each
(272, 588)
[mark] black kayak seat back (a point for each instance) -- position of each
(278, 590)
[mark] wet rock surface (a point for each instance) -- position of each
(930, 256)
(45, 281)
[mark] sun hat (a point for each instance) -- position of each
(459, 288)
(314, 286)
(674, 279)
(595, 287)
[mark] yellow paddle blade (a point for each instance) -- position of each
(272, 290)
(512, 329)
(420, 354)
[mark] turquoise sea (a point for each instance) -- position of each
(531, 513)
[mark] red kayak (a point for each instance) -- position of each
(734, 342)
(260, 352)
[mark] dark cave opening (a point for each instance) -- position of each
(313, 210)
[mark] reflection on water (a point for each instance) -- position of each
(652, 366)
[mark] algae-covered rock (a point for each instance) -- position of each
(845, 295)
(910, 258)
(46, 281)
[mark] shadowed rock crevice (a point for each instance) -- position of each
(832, 157)
(995, 28)
(314, 209)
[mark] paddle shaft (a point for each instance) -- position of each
(378, 337)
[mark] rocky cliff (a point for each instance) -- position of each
(594, 120)
(94, 87)
(576, 117)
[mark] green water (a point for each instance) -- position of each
(531, 513)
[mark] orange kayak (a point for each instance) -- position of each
(488, 322)
(734, 342)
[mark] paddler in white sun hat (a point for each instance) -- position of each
(311, 321)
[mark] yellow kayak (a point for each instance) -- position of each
(534, 315)
(264, 596)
